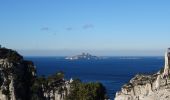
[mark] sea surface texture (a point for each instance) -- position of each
(113, 72)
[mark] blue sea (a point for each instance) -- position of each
(113, 72)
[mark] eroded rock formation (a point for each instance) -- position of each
(18, 80)
(148, 87)
(16, 76)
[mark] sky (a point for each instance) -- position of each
(100, 27)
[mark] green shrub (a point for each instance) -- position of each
(11, 55)
(86, 91)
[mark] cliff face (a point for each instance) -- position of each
(16, 76)
(148, 87)
(18, 80)
(58, 92)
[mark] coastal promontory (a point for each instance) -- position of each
(148, 87)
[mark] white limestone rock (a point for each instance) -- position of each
(148, 87)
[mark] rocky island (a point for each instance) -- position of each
(19, 81)
(83, 56)
(148, 87)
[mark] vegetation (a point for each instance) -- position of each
(56, 77)
(161, 70)
(43, 83)
(86, 91)
(36, 89)
(23, 80)
(79, 90)
(11, 55)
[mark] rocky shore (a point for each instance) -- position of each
(148, 87)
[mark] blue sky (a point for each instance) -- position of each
(101, 27)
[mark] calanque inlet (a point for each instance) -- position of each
(19, 81)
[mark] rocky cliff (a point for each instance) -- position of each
(16, 76)
(148, 87)
(18, 80)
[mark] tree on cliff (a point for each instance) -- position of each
(86, 91)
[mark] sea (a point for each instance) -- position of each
(112, 72)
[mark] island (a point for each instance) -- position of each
(83, 56)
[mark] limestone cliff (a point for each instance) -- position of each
(148, 87)
(18, 80)
(57, 90)
(16, 76)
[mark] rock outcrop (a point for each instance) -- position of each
(148, 87)
(16, 76)
(57, 90)
(18, 80)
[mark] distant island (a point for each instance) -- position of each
(83, 56)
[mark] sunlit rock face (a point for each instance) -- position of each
(167, 63)
(57, 91)
(148, 87)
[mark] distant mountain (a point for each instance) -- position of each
(83, 56)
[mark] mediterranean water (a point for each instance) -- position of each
(113, 72)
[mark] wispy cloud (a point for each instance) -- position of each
(69, 28)
(45, 28)
(88, 26)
